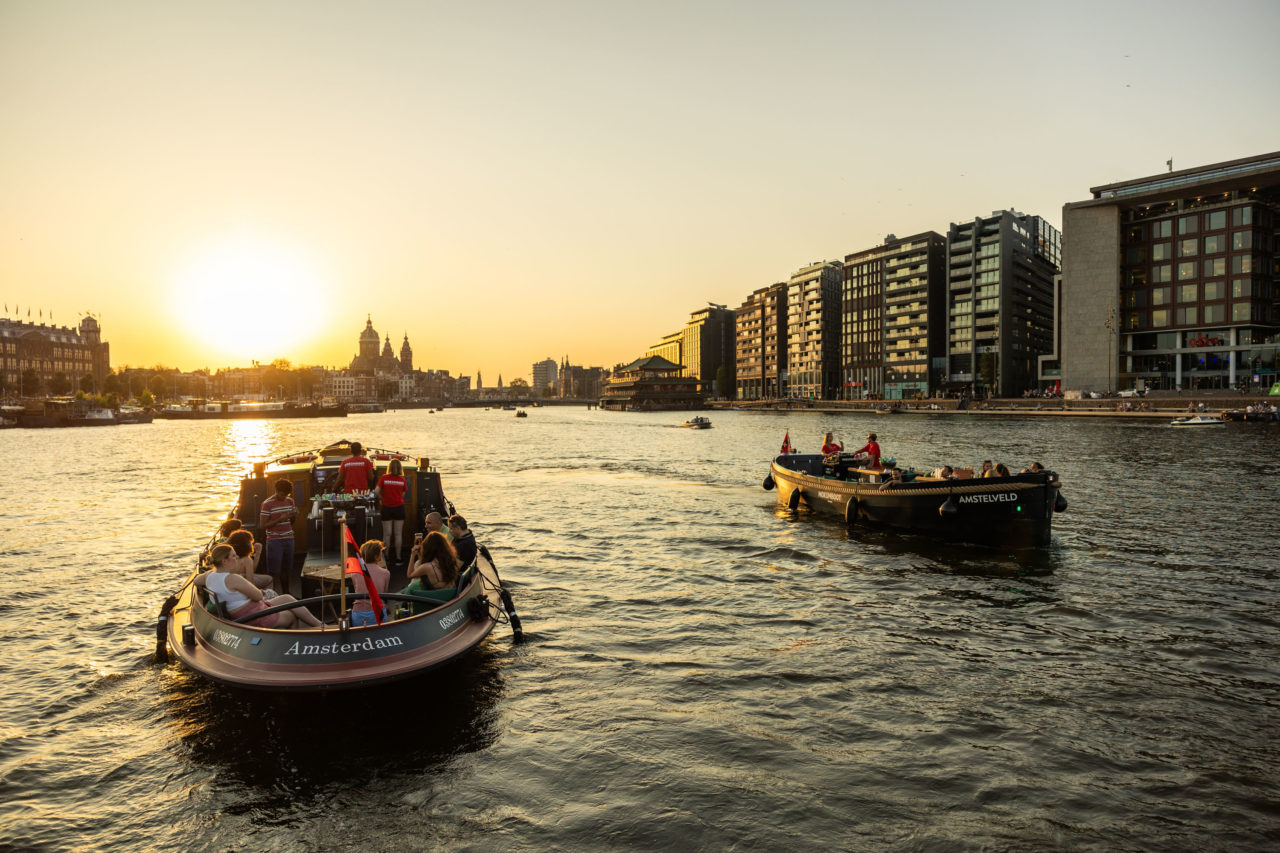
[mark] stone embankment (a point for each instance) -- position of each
(1151, 406)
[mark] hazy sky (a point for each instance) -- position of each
(508, 181)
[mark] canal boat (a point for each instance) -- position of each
(698, 422)
(1006, 512)
(1198, 421)
(199, 410)
(419, 634)
(94, 417)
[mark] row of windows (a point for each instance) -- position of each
(1190, 247)
(1190, 224)
(1241, 312)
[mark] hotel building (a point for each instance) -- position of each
(45, 355)
(1173, 280)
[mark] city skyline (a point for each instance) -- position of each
(185, 173)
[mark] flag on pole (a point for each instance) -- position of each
(786, 442)
(356, 566)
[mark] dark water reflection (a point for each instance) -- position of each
(704, 670)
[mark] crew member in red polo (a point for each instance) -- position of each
(871, 449)
(355, 474)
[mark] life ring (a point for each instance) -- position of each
(383, 457)
(294, 460)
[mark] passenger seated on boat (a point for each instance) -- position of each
(1034, 468)
(464, 541)
(250, 554)
(1001, 470)
(231, 525)
(362, 611)
(895, 479)
(433, 567)
(946, 472)
(987, 470)
(241, 598)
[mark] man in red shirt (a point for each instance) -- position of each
(871, 449)
(355, 474)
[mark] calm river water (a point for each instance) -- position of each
(702, 670)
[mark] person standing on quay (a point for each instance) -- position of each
(275, 519)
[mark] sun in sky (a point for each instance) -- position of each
(248, 299)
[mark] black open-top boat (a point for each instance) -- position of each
(1005, 512)
(421, 633)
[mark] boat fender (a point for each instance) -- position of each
(162, 629)
(793, 502)
(1059, 503)
(948, 508)
(768, 482)
(851, 511)
(478, 608)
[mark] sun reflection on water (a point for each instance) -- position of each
(242, 444)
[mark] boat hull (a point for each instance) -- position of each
(331, 659)
(1011, 512)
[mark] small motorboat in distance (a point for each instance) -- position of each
(522, 414)
(698, 423)
(1005, 512)
(1198, 421)
(419, 633)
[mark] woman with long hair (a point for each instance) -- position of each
(242, 598)
(434, 565)
(390, 492)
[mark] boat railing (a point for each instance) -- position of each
(331, 597)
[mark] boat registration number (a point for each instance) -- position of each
(450, 619)
(226, 638)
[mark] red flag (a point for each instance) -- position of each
(786, 442)
(356, 566)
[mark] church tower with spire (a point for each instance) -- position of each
(406, 355)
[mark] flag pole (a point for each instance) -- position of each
(342, 576)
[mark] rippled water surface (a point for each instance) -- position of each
(703, 670)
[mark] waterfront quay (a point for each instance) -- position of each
(1158, 406)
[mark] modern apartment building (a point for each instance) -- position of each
(1000, 273)
(671, 347)
(749, 347)
(774, 355)
(813, 331)
(545, 374)
(893, 319)
(707, 345)
(1173, 280)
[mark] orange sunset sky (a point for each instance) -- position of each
(505, 182)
